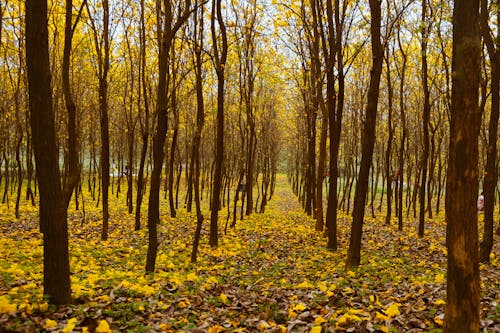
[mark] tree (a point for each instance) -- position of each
(143, 122)
(72, 173)
(102, 46)
(53, 219)
(426, 26)
(220, 63)
(200, 121)
(166, 36)
(353, 254)
(491, 168)
(463, 302)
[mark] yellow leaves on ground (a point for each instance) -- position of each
(270, 271)
(439, 278)
(216, 329)
(393, 310)
(6, 306)
(319, 320)
(103, 327)
(304, 285)
(70, 325)
(316, 329)
(224, 299)
(439, 302)
(49, 323)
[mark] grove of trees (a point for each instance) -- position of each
(367, 106)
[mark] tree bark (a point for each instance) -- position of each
(220, 62)
(463, 300)
(491, 169)
(426, 119)
(53, 219)
(354, 252)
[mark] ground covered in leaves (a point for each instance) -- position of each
(272, 273)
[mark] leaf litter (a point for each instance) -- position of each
(272, 273)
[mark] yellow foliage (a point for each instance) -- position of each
(103, 327)
(224, 298)
(70, 325)
(191, 277)
(304, 285)
(49, 323)
(315, 329)
(347, 319)
(216, 329)
(380, 317)
(439, 302)
(393, 310)
(439, 278)
(6, 306)
(319, 320)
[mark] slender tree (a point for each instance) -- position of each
(491, 169)
(200, 121)
(426, 116)
(220, 63)
(368, 141)
(463, 302)
(166, 36)
(53, 216)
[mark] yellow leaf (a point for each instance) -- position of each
(70, 325)
(49, 323)
(439, 278)
(6, 306)
(393, 310)
(316, 329)
(380, 317)
(319, 320)
(216, 329)
(304, 285)
(299, 307)
(44, 307)
(439, 302)
(191, 277)
(438, 320)
(384, 329)
(103, 327)
(224, 298)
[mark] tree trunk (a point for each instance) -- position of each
(220, 63)
(53, 222)
(354, 252)
(388, 150)
(145, 125)
(463, 300)
(491, 169)
(426, 118)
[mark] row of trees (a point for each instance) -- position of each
(415, 109)
(172, 101)
(401, 117)
(144, 61)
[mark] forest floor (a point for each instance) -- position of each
(272, 273)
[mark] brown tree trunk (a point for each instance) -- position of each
(220, 63)
(491, 169)
(354, 252)
(145, 124)
(72, 174)
(388, 150)
(403, 134)
(53, 222)
(463, 300)
(200, 121)
(426, 119)
(167, 35)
